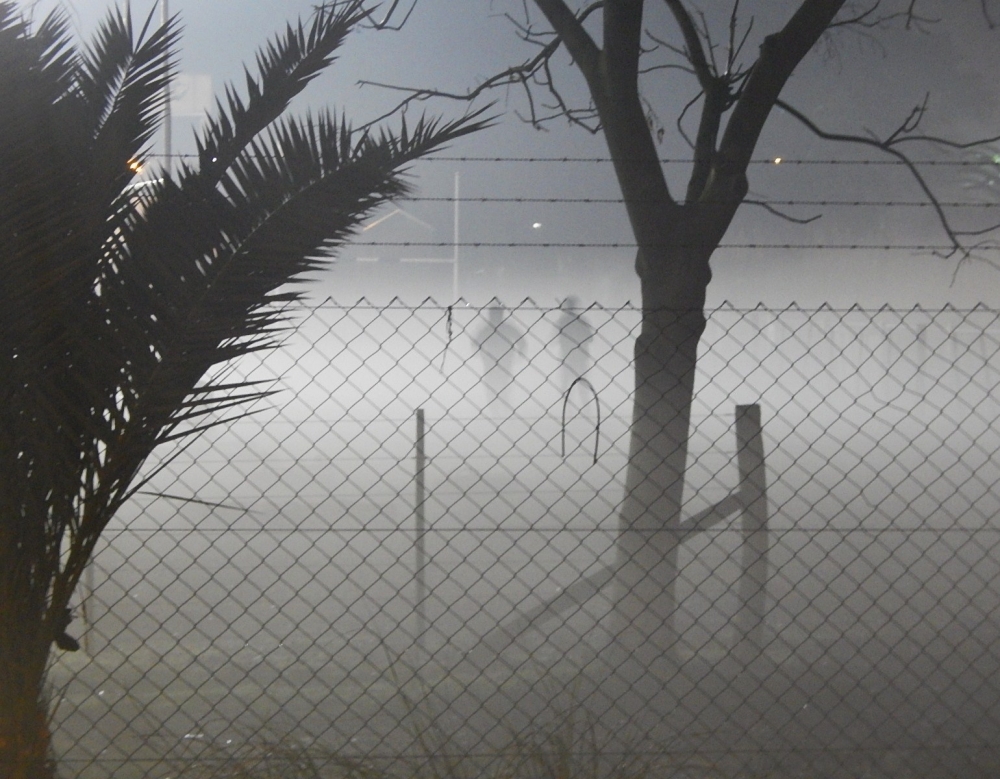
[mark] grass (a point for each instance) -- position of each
(413, 726)
(560, 753)
(569, 746)
(263, 758)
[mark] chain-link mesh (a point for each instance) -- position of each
(405, 561)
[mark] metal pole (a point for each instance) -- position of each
(754, 554)
(167, 119)
(421, 549)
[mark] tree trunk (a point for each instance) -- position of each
(676, 240)
(674, 281)
(649, 523)
(24, 712)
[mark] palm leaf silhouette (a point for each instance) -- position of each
(120, 302)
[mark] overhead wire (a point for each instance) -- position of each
(770, 161)
(939, 248)
(620, 200)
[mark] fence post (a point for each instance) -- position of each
(755, 542)
(421, 541)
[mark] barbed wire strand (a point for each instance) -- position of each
(620, 200)
(771, 161)
(935, 248)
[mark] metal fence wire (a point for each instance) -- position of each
(403, 563)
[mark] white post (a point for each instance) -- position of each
(454, 270)
(167, 123)
(420, 545)
(754, 554)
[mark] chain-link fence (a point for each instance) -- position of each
(405, 561)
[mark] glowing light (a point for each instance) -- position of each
(536, 226)
(777, 160)
(135, 166)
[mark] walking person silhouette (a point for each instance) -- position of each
(573, 342)
(501, 350)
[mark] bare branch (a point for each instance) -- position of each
(683, 53)
(780, 55)
(980, 231)
(587, 118)
(864, 20)
(386, 23)
(869, 18)
(665, 66)
(771, 209)
(706, 33)
(910, 123)
(532, 72)
(569, 28)
(735, 49)
(913, 19)
(694, 52)
(518, 75)
(990, 21)
(949, 143)
(716, 89)
(680, 119)
(890, 146)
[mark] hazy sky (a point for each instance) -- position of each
(853, 83)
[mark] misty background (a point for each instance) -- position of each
(871, 244)
(272, 593)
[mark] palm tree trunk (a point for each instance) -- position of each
(24, 715)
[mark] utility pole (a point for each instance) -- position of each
(454, 270)
(167, 123)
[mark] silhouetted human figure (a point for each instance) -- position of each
(501, 349)
(573, 341)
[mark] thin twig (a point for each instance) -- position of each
(889, 146)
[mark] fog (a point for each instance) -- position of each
(872, 242)
(274, 577)
(270, 581)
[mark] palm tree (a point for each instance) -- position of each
(119, 304)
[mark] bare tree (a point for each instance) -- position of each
(676, 234)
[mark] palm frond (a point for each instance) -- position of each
(38, 147)
(285, 67)
(103, 61)
(118, 307)
(221, 265)
(125, 86)
(125, 124)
